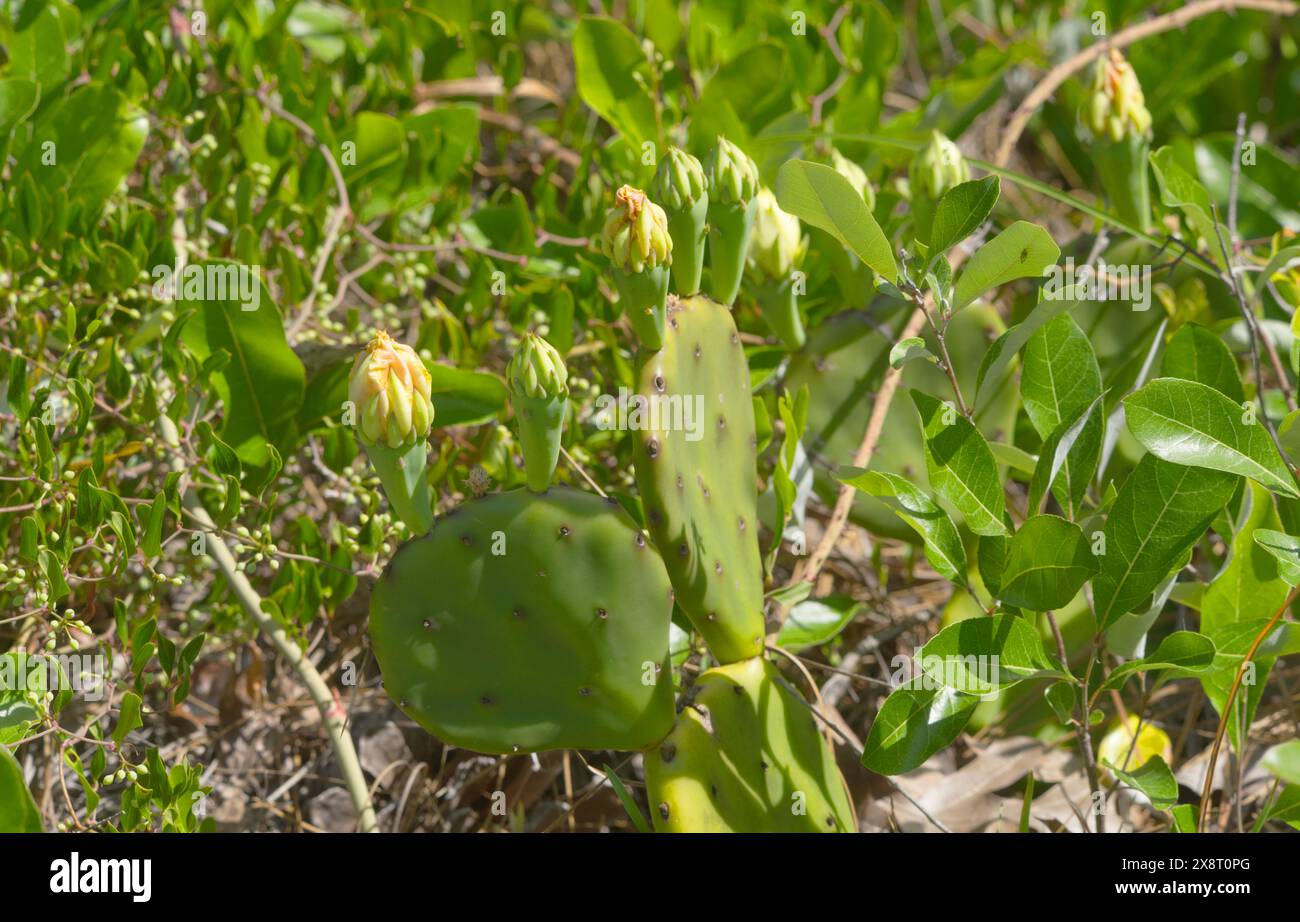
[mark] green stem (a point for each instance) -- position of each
(688, 229)
(780, 307)
(541, 420)
(645, 300)
(1122, 169)
(730, 226)
(403, 475)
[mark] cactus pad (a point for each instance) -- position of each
(746, 756)
(528, 621)
(698, 482)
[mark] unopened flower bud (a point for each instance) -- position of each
(679, 182)
(938, 168)
(777, 240)
(537, 370)
(391, 390)
(733, 176)
(856, 176)
(636, 236)
(1116, 108)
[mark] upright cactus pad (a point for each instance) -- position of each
(746, 756)
(696, 469)
(528, 621)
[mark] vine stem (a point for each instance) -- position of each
(332, 713)
(1125, 37)
(1227, 706)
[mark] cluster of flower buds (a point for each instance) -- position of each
(733, 176)
(537, 370)
(390, 387)
(635, 236)
(679, 182)
(1116, 108)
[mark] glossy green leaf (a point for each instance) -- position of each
(1283, 761)
(1187, 422)
(915, 722)
(906, 350)
(464, 398)
(1023, 250)
(262, 385)
(1048, 561)
(813, 622)
(980, 655)
(961, 467)
(1162, 510)
(1187, 651)
(1247, 587)
(1059, 377)
(1068, 459)
(1285, 549)
(1154, 779)
(18, 812)
(943, 547)
(819, 196)
(614, 77)
(1197, 354)
(961, 210)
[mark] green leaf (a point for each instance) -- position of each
(262, 386)
(961, 467)
(1162, 510)
(1023, 250)
(1187, 422)
(1063, 698)
(633, 811)
(819, 196)
(961, 210)
(905, 350)
(18, 811)
(1283, 761)
(1048, 561)
(97, 135)
(815, 621)
(1285, 548)
(1179, 189)
(52, 569)
(1247, 586)
(1187, 651)
(17, 102)
(1154, 779)
(914, 723)
(978, 656)
(1071, 450)
(1060, 377)
(464, 398)
(128, 717)
(614, 77)
(1197, 354)
(943, 547)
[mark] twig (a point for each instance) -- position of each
(809, 569)
(1226, 710)
(582, 471)
(1125, 37)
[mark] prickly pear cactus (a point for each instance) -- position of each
(527, 621)
(695, 468)
(746, 756)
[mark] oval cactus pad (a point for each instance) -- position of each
(696, 469)
(529, 621)
(746, 756)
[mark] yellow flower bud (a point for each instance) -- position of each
(777, 242)
(1116, 108)
(635, 236)
(391, 390)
